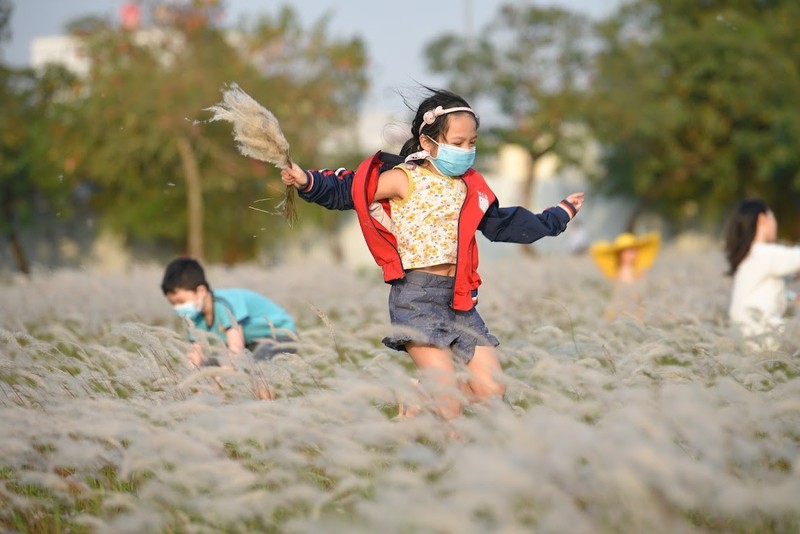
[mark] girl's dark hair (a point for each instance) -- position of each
(183, 273)
(437, 97)
(741, 231)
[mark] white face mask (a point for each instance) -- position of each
(187, 309)
(190, 309)
(453, 160)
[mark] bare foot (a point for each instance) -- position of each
(407, 410)
(265, 394)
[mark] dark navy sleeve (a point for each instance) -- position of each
(330, 189)
(518, 225)
(334, 189)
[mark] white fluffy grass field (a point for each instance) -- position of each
(665, 424)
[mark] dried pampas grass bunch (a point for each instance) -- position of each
(258, 135)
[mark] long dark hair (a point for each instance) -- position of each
(741, 231)
(437, 97)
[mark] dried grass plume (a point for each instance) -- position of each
(257, 134)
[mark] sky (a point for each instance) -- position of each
(394, 36)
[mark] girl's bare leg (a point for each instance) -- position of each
(437, 365)
(406, 408)
(484, 370)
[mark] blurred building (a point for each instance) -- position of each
(67, 51)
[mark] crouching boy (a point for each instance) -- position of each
(240, 317)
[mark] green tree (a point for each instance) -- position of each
(530, 63)
(24, 97)
(696, 105)
(137, 129)
(16, 188)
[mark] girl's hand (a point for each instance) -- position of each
(576, 199)
(294, 175)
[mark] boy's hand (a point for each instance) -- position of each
(234, 339)
(294, 175)
(576, 199)
(195, 358)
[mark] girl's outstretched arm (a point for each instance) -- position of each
(518, 225)
(330, 189)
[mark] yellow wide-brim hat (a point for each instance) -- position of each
(606, 253)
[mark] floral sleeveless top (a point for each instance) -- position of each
(426, 221)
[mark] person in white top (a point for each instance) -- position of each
(760, 268)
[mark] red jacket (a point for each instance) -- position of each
(343, 189)
(383, 245)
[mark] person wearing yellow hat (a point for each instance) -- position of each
(625, 260)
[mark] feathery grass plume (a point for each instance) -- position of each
(258, 135)
(666, 424)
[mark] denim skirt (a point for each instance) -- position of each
(420, 312)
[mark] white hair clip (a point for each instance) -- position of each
(430, 116)
(416, 156)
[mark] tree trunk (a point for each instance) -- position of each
(194, 200)
(13, 238)
(19, 252)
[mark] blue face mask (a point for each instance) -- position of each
(453, 160)
(187, 309)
